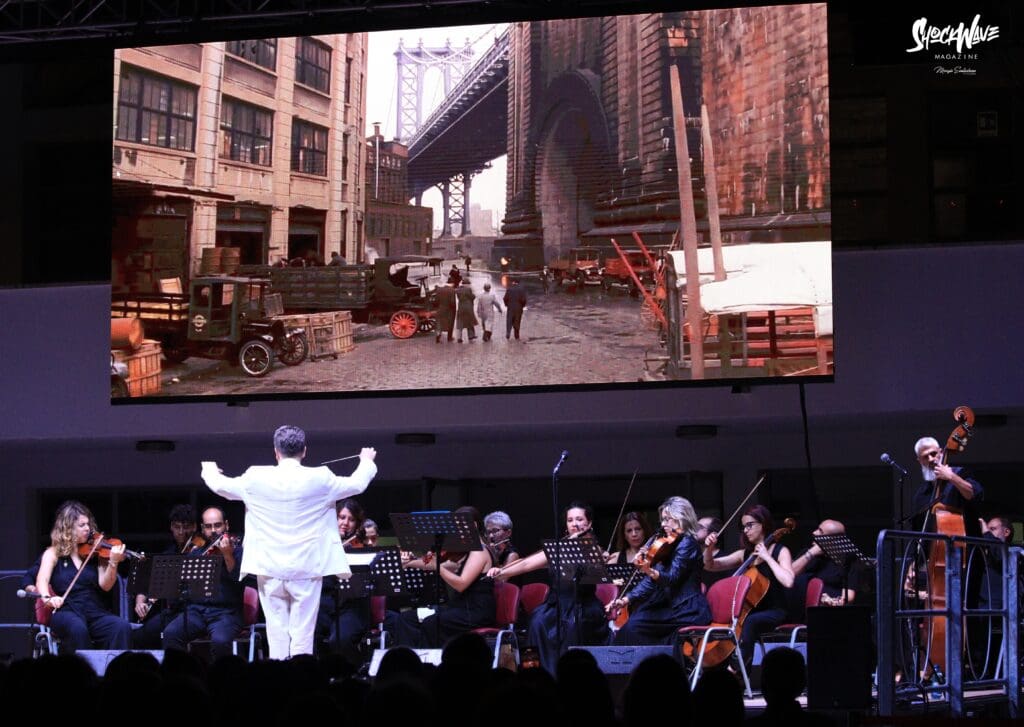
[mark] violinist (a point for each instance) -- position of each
(669, 596)
(154, 615)
(470, 603)
(775, 564)
(498, 529)
(218, 617)
(577, 608)
(633, 533)
(370, 533)
(80, 618)
(342, 620)
(950, 486)
(705, 526)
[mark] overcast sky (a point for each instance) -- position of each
(488, 188)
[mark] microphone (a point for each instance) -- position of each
(886, 459)
(22, 593)
(565, 453)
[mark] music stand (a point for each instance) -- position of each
(580, 561)
(620, 572)
(180, 576)
(437, 531)
(844, 553)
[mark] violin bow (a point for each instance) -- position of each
(742, 503)
(621, 511)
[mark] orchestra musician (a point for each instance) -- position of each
(291, 534)
(813, 563)
(705, 526)
(669, 596)
(949, 486)
(218, 617)
(80, 619)
(633, 533)
(498, 529)
(579, 620)
(470, 604)
(370, 533)
(342, 621)
(153, 614)
(776, 564)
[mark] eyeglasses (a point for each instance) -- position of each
(748, 526)
(492, 531)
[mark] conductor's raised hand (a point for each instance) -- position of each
(368, 454)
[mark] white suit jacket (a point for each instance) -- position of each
(291, 529)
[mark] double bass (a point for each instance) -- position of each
(948, 521)
(720, 650)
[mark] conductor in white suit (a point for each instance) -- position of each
(291, 534)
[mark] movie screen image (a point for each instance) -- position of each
(585, 202)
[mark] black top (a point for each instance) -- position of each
(776, 595)
(924, 497)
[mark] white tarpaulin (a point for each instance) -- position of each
(766, 276)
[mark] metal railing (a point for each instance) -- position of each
(908, 613)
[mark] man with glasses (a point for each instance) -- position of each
(705, 526)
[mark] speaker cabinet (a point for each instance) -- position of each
(839, 657)
(99, 658)
(623, 659)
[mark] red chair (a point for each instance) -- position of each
(45, 641)
(506, 598)
(725, 597)
(532, 595)
(815, 586)
(250, 612)
(606, 593)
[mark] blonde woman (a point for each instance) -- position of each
(80, 621)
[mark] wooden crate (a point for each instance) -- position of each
(143, 368)
(328, 334)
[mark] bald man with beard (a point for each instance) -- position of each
(813, 563)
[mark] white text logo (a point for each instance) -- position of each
(969, 36)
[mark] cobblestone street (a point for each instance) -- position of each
(582, 337)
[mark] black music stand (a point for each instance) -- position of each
(358, 585)
(621, 572)
(184, 577)
(389, 579)
(437, 531)
(582, 562)
(844, 553)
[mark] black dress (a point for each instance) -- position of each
(768, 613)
(659, 608)
(84, 622)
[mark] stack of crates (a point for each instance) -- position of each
(143, 368)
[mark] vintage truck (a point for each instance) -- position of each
(221, 317)
(582, 266)
(393, 290)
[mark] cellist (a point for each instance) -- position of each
(775, 564)
(669, 596)
(950, 486)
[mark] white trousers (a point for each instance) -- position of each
(290, 607)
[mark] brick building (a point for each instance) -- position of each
(254, 145)
(393, 226)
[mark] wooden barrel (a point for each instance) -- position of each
(211, 261)
(230, 257)
(126, 333)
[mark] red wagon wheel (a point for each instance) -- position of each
(404, 324)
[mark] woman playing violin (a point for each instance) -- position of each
(80, 618)
(634, 532)
(774, 563)
(669, 596)
(342, 621)
(471, 599)
(560, 605)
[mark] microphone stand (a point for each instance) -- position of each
(556, 580)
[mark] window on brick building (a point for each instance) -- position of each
(261, 52)
(313, 64)
(248, 132)
(348, 80)
(309, 148)
(156, 110)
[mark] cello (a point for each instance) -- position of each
(720, 650)
(948, 521)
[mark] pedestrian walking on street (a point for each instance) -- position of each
(515, 303)
(545, 278)
(454, 276)
(445, 311)
(486, 304)
(465, 319)
(469, 260)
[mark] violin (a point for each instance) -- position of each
(102, 547)
(216, 546)
(196, 541)
(655, 550)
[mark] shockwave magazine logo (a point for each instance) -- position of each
(952, 43)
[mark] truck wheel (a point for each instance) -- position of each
(404, 324)
(118, 388)
(174, 354)
(294, 350)
(255, 357)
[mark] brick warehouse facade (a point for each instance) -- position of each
(590, 126)
(393, 225)
(255, 145)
